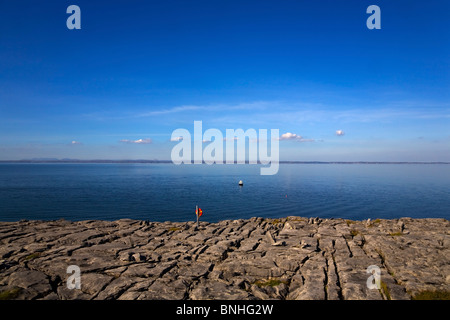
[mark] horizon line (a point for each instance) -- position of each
(64, 160)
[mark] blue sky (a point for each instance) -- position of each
(137, 70)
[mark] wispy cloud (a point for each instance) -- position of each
(200, 109)
(340, 133)
(75, 142)
(211, 108)
(170, 110)
(139, 141)
(176, 139)
(279, 113)
(302, 112)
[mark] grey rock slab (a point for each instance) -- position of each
(34, 283)
(165, 289)
(140, 270)
(93, 283)
(249, 244)
(80, 237)
(259, 293)
(195, 270)
(115, 272)
(216, 290)
(115, 288)
(71, 294)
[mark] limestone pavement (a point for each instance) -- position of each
(290, 258)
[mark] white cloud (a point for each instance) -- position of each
(340, 133)
(293, 136)
(176, 139)
(290, 136)
(139, 141)
(75, 142)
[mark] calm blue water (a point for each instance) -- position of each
(161, 192)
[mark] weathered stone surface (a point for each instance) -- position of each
(115, 288)
(289, 258)
(217, 290)
(166, 289)
(33, 284)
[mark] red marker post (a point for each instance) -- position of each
(198, 213)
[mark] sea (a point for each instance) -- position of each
(168, 192)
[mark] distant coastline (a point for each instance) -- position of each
(51, 160)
